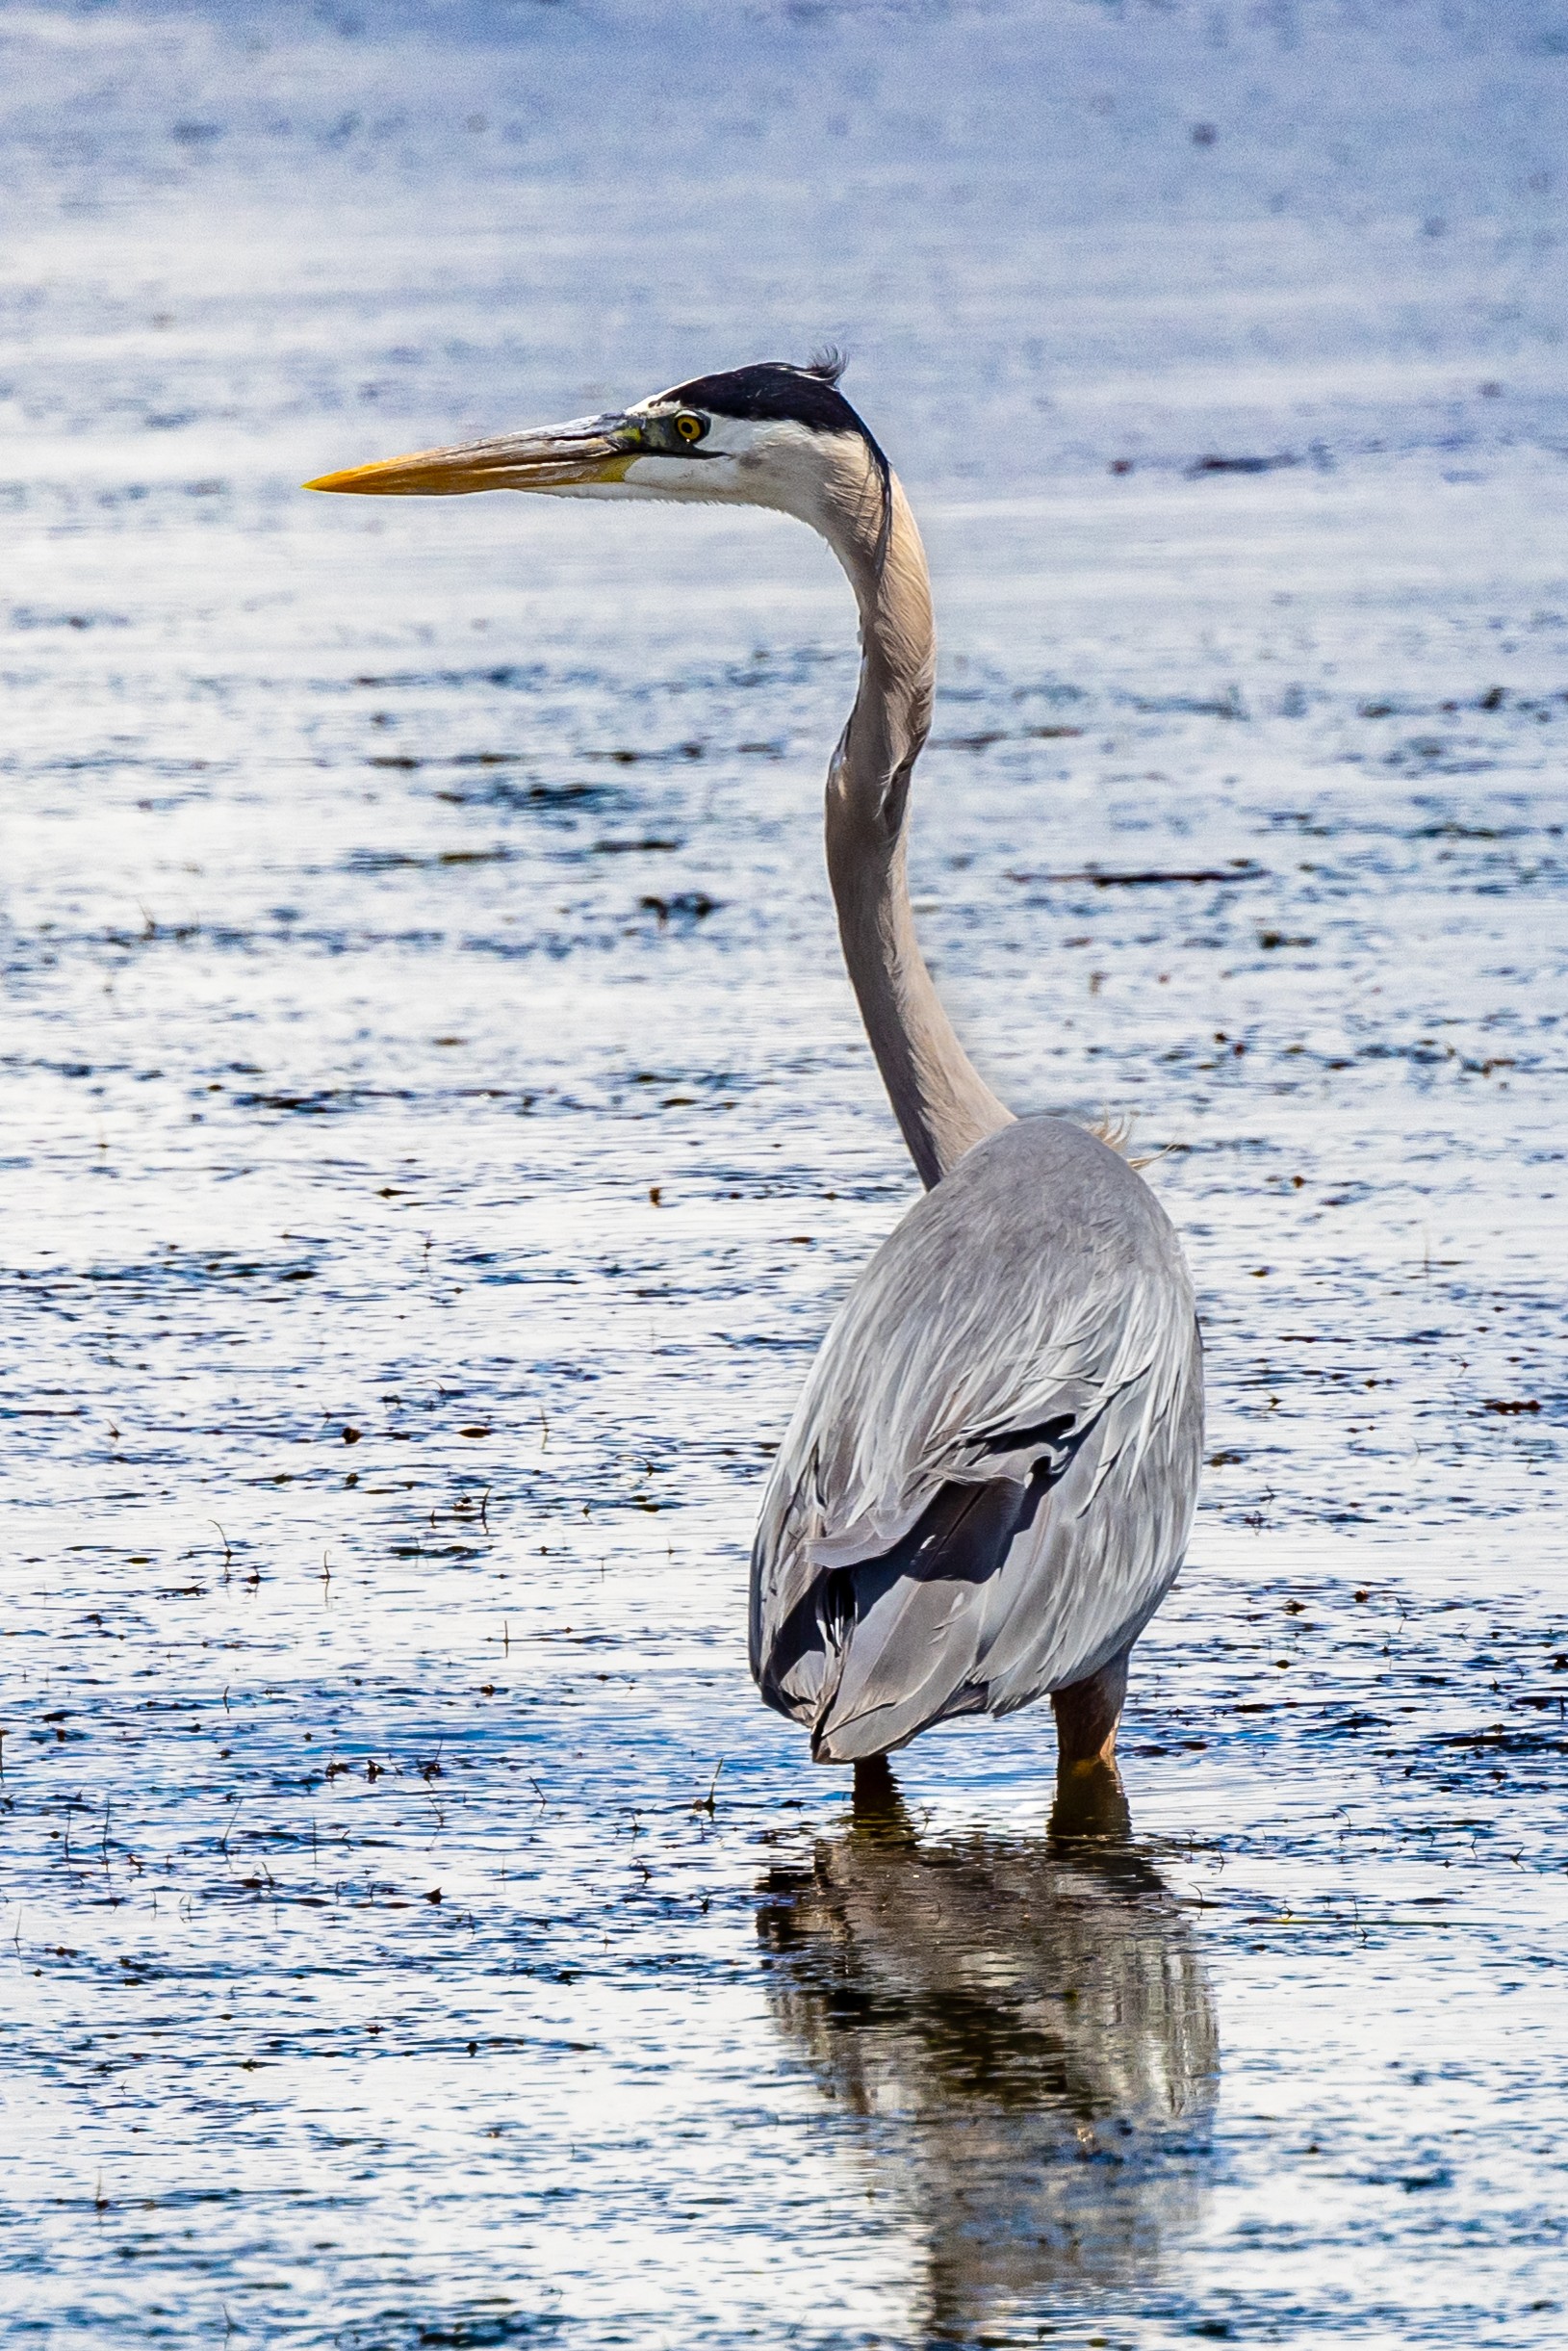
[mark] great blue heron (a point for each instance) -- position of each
(986, 1489)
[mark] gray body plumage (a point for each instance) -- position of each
(987, 1484)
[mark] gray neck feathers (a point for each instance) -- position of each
(943, 1104)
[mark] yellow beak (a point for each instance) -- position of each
(559, 457)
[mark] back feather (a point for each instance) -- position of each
(988, 1485)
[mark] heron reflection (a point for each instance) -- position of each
(1024, 2032)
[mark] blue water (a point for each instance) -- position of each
(415, 1932)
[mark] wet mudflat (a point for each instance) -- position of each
(437, 1134)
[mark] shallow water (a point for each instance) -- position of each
(415, 1932)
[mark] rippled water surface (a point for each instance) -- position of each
(437, 1133)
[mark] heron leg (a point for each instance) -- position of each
(1087, 1714)
(876, 1791)
(1089, 1799)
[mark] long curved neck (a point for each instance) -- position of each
(942, 1102)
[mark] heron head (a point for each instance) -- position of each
(769, 435)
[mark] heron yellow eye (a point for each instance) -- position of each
(690, 428)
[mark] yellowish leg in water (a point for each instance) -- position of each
(1089, 1796)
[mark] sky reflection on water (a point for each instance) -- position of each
(389, 904)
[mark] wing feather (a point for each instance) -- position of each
(987, 1482)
